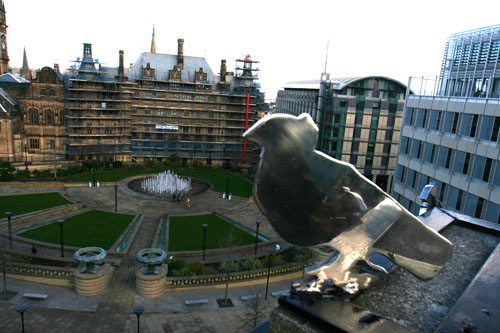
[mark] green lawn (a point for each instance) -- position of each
(237, 185)
(92, 228)
(25, 203)
(186, 233)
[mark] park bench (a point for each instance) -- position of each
(249, 298)
(281, 293)
(38, 297)
(196, 302)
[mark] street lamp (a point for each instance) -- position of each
(138, 310)
(227, 183)
(21, 308)
(270, 250)
(258, 222)
(61, 222)
(10, 228)
(116, 198)
(205, 226)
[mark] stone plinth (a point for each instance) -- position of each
(151, 285)
(87, 284)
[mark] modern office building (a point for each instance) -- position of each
(451, 128)
(359, 120)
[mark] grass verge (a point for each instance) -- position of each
(92, 228)
(25, 203)
(186, 233)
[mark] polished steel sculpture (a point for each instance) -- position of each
(313, 200)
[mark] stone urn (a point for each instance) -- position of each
(91, 279)
(152, 277)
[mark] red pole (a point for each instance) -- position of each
(246, 128)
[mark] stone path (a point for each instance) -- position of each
(114, 311)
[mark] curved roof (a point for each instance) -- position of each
(341, 83)
(350, 80)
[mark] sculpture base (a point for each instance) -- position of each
(151, 285)
(299, 315)
(88, 284)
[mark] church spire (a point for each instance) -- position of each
(4, 55)
(153, 44)
(25, 70)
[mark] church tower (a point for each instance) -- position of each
(4, 55)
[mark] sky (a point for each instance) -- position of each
(397, 39)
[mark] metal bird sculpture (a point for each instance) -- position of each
(313, 200)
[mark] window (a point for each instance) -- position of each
(444, 157)
(469, 125)
(400, 173)
(429, 152)
(416, 148)
(33, 117)
(50, 144)
(450, 122)
(34, 143)
(403, 147)
(408, 117)
(435, 120)
(48, 117)
(493, 213)
(421, 118)
(489, 128)
(62, 117)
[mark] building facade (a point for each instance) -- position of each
(451, 128)
(359, 120)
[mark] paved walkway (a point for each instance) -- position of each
(113, 311)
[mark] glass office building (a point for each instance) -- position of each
(451, 128)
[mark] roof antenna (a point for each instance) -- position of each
(326, 59)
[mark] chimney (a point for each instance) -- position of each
(120, 65)
(180, 54)
(223, 70)
(56, 68)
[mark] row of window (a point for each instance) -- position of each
(451, 196)
(48, 117)
(49, 144)
(475, 166)
(464, 124)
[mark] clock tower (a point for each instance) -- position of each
(4, 55)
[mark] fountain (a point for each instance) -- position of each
(166, 183)
(91, 279)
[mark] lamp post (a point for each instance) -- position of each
(21, 308)
(116, 198)
(10, 228)
(270, 250)
(205, 226)
(227, 184)
(61, 222)
(258, 222)
(138, 310)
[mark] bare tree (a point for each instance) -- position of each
(230, 241)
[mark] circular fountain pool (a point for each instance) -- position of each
(167, 184)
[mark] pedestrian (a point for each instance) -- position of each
(33, 249)
(179, 197)
(188, 204)
(173, 197)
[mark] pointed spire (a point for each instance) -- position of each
(25, 70)
(153, 44)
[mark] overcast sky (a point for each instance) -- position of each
(397, 39)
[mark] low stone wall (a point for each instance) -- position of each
(57, 276)
(93, 284)
(210, 280)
